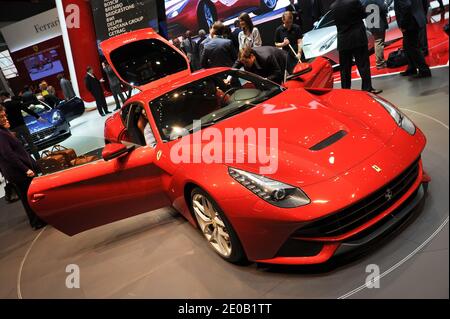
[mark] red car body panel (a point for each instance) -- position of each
(334, 178)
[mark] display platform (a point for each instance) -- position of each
(437, 43)
(159, 255)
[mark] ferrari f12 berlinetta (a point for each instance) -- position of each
(326, 171)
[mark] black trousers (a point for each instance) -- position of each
(423, 40)
(22, 189)
(361, 55)
(117, 92)
(100, 100)
(411, 45)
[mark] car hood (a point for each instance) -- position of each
(35, 126)
(316, 141)
(315, 39)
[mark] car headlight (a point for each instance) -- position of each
(401, 119)
(56, 117)
(328, 44)
(176, 9)
(273, 192)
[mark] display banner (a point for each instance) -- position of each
(114, 17)
(193, 15)
(34, 30)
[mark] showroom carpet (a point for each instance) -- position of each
(159, 255)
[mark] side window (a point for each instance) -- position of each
(138, 126)
(124, 114)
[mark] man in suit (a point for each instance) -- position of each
(423, 36)
(296, 11)
(217, 52)
(114, 85)
(411, 19)
(266, 61)
(188, 47)
(352, 42)
(66, 87)
(235, 34)
(306, 15)
(378, 30)
(94, 86)
(14, 108)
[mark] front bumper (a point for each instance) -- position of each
(51, 136)
(363, 240)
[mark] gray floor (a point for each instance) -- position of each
(159, 255)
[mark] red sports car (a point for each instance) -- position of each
(267, 174)
(201, 14)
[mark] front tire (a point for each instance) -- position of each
(216, 228)
(266, 6)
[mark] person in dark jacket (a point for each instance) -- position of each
(378, 26)
(306, 15)
(352, 42)
(235, 34)
(28, 96)
(268, 62)
(14, 108)
(94, 86)
(294, 7)
(411, 19)
(18, 167)
(217, 52)
(66, 87)
(114, 85)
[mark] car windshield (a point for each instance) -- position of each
(326, 21)
(38, 108)
(209, 100)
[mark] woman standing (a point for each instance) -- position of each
(17, 166)
(249, 36)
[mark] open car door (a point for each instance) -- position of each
(126, 182)
(143, 59)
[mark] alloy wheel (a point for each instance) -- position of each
(211, 225)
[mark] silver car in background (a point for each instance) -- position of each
(322, 40)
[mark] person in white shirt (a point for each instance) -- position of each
(249, 36)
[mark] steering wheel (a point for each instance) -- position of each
(226, 93)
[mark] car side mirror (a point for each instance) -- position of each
(115, 150)
(316, 24)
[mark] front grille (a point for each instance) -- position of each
(364, 210)
(43, 134)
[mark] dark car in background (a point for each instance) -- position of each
(57, 127)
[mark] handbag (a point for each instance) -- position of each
(397, 59)
(83, 159)
(50, 163)
(68, 153)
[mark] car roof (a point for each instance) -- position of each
(169, 85)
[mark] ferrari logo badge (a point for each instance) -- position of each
(376, 168)
(388, 195)
(158, 155)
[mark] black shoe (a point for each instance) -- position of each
(108, 112)
(408, 72)
(375, 91)
(422, 75)
(102, 114)
(117, 108)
